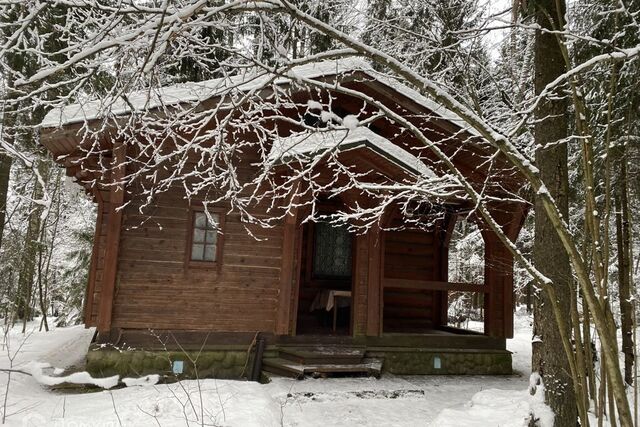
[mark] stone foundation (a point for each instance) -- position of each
(231, 362)
(444, 361)
(227, 363)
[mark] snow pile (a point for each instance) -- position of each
(506, 408)
(36, 371)
(351, 122)
(142, 381)
(391, 400)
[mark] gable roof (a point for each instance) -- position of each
(309, 145)
(250, 80)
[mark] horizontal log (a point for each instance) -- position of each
(407, 313)
(434, 285)
(411, 298)
(413, 249)
(406, 237)
(411, 262)
(396, 272)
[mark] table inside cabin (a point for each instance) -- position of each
(331, 299)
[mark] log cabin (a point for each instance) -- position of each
(191, 288)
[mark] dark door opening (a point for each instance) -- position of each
(324, 305)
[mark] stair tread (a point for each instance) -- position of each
(368, 365)
(283, 363)
(325, 351)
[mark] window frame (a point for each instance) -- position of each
(217, 263)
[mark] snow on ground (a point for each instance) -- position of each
(390, 401)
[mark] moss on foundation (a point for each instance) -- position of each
(450, 362)
(229, 364)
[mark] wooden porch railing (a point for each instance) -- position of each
(434, 285)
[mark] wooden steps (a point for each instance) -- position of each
(323, 354)
(296, 362)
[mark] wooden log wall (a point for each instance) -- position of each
(96, 271)
(410, 255)
(158, 289)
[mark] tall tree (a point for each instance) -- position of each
(550, 135)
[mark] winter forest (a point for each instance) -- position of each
(550, 88)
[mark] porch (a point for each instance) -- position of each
(391, 284)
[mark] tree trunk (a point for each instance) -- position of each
(551, 129)
(623, 240)
(5, 173)
(31, 250)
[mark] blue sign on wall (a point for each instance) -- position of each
(178, 366)
(437, 364)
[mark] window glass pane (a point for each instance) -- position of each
(212, 237)
(197, 252)
(210, 253)
(201, 220)
(198, 235)
(332, 251)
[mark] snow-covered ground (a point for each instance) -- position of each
(390, 401)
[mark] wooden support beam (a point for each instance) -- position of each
(287, 276)
(91, 282)
(498, 277)
(289, 267)
(359, 285)
(434, 285)
(443, 239)
(499, 268)
(374, 292)
(114, 223)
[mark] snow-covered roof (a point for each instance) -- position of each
(249, 80)
(311, 144)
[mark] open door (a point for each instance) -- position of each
(325, 294)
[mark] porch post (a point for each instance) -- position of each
(114, 223)
(91, 282)
(287, 276)
(374, 285)
(498, 274)
(498, 278)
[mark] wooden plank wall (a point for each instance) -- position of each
(409, 254)
(157, 289)
(99, 248)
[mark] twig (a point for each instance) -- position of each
(114, 408)
(251, 346)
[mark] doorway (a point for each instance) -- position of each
(325, 292)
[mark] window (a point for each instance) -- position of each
(332, 251)
(205, 241)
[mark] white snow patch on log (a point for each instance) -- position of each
(36, 371)
(142, 381)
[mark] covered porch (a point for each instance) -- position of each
(389, 281)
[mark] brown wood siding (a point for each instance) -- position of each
(410, 255)
(156, 289)
(99, 247)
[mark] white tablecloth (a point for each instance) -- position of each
(326, 299)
